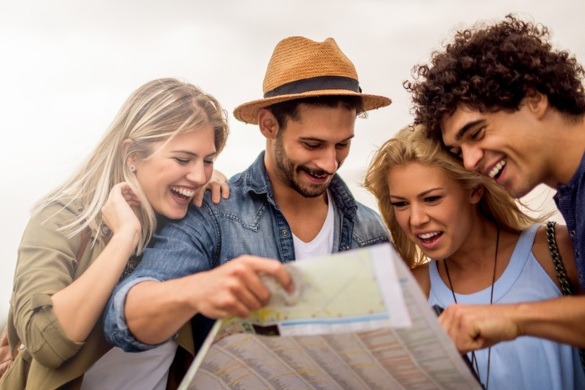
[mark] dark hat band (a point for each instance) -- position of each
(315, 84)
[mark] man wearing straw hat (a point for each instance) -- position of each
(288, 205)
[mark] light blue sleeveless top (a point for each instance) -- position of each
(527, 362)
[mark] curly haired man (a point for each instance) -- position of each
(512, 108)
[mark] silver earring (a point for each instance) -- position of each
(132, 168)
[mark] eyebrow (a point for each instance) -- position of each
(468, 126)
(322, 140)
(422, 194)
(213, 154)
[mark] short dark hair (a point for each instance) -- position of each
(491, 68)
(290, 109)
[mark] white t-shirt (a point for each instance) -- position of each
(131, 370)
(322, 244)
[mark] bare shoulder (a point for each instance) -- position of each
(421, 274)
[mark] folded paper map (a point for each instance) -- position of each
(356, 320)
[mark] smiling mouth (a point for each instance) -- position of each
(317, 174)
(182, 193)
(497, 170)
(428, 238)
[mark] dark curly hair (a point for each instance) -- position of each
(491, 68)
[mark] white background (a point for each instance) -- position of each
(67, 66)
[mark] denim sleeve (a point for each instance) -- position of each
(181, 248)
(115, 328)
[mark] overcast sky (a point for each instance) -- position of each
(68, 65)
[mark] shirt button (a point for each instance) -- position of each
(284, 233)
(572, 233)
(106, 231)
(345, 247)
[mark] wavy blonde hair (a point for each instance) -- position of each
(411, 145)
(157, 111)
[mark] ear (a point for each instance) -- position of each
(476, 194)
(536, 102)
(130, 160)
(268, 123)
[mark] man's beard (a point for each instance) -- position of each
(287, 172)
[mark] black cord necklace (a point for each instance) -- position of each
(473, 359)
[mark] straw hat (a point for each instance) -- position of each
(301, 68)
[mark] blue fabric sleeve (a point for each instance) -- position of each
(115, 328)
(181, 248)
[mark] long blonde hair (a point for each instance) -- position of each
(412, 145)
(157, 111)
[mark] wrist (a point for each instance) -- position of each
(126, 240)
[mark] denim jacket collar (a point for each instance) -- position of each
(255, 179)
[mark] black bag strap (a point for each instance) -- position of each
(566, 287)
(551, 239)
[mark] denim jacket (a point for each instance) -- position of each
(249, 222)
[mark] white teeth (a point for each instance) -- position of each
(183, 191)
(497, 169)
(426, 236)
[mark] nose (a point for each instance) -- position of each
(472, 155)
(198, 174)
(418, 215)
(328, 160)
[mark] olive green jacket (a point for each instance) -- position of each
(47, 263)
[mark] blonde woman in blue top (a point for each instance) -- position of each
(483, 250)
